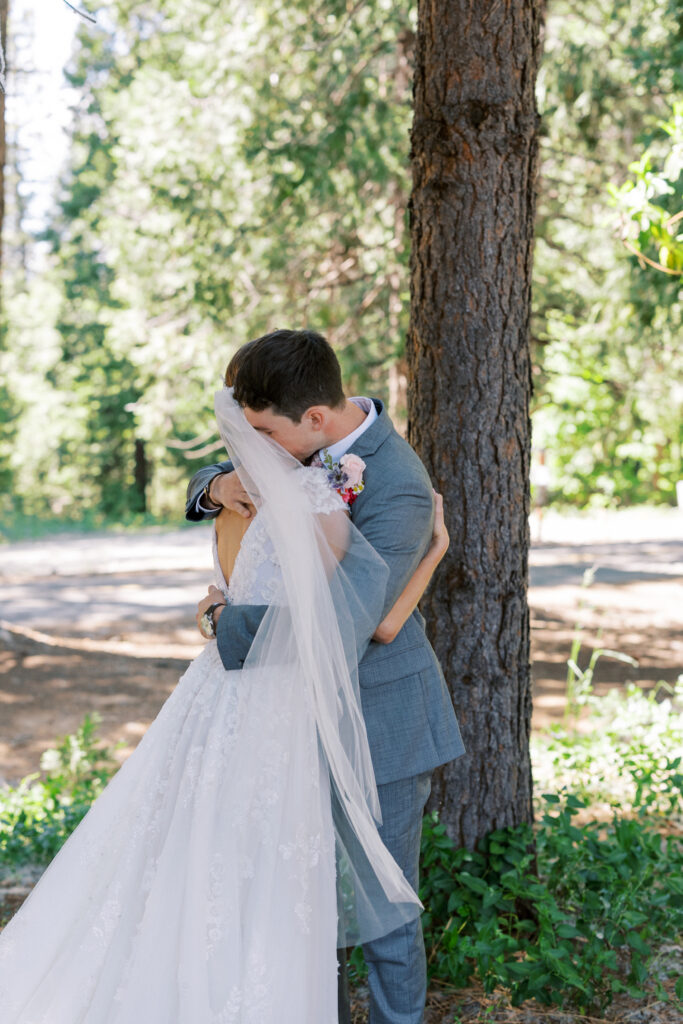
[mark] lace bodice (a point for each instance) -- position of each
(256, 577)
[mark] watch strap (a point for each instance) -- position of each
(208, 614)
(211, 609)
(207, 493)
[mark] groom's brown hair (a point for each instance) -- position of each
(288, 371)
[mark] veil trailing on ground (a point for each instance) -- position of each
(334, 585)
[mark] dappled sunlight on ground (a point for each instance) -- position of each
(105, 622)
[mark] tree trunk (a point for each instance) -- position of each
(141, 477)
(472, 215)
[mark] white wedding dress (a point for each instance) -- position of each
(200, 887)
(203, 885)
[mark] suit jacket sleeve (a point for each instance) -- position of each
(235, 630)
(197, 485)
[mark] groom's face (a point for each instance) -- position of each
(300, 439)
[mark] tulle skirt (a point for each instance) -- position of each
(200, 886)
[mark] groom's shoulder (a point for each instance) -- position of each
(395, 456)
(395, 446)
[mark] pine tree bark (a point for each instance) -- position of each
(474, 148)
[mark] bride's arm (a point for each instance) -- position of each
(407, 601)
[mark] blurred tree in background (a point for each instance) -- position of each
(238, 167)
(606, 325)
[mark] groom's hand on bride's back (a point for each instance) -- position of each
(215, 487)
(226, 491)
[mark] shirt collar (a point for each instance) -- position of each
(339, 448)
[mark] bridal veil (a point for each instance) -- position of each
(334, 586)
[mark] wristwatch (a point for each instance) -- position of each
(207, 493)
(207, 626)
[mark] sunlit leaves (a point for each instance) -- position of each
(606, 329)
(651, 203)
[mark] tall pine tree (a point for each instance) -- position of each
(474, 142)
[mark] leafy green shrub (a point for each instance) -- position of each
(38, 816)
(567, 912)
(631, 757)
(574, 920)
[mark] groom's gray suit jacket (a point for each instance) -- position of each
(407, 708)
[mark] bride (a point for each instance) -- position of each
(236, 849)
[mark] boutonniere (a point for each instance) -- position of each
(346, 476)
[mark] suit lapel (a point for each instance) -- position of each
(370, 440)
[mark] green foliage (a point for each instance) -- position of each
(236, 169)
(580, 681)
(609, 377)
(621, 750)
(231, 170)
(650, 219)
(38, 816)
(629, 758)
(9, 414)
(574, 921)
(23, 526)
(570, 911)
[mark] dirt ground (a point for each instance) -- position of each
(48, 683)
(106, 623)
(473, 1006)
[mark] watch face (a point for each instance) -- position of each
(206, 623)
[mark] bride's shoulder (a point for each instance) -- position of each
(320, 492)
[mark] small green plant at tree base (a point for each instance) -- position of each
(631, 757)
(38, 815)
(485, 1017)
(570, 913)
(580, 681)
(564, 914)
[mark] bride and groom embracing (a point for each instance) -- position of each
(238, 848)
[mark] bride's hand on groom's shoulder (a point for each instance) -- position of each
(226, 489)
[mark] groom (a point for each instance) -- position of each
(289, 385)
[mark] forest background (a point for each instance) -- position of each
(233, 167)
(236, 167)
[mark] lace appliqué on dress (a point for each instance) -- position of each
(256, 576)
(322, 496)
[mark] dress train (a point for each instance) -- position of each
(200, 886)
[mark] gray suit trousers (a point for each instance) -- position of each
(397, 966)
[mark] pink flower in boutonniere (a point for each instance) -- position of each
(353, 466)
(346, 476)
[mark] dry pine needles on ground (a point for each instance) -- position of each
(472, 1006)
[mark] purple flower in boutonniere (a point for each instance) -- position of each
(346, 476)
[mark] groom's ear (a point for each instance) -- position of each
(316, 417)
